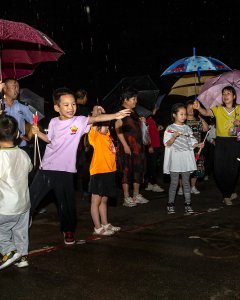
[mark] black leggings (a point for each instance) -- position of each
(62, 185)
(226, 165)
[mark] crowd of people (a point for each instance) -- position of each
(76, 130)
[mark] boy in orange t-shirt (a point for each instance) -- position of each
(102, 177)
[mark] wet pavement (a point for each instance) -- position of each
(155, 256)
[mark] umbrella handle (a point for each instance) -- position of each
(39, 154)
(36, 149)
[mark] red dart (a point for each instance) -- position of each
(35, 119)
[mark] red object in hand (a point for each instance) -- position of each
(35, 119)
(197, 156)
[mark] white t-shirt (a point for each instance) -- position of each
(179, 157)
(15, 165)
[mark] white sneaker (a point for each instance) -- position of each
(128, 202)
(157, 188)
(23, 262)
(111, 227)
(206, 178)
(102, 231)
(188, 209)
(9, 258)
(233, 196)
(149, 187)
(180, 191)
(140, 199)
(227, 201)
(171, 209)
(195, 191)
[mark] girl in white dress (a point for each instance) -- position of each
(179, 156)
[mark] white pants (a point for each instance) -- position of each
(14, 233)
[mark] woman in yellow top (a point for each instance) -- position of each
(102, 177)
(227, 147)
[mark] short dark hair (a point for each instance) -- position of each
(189, 102)
(58, 93)
(128, 93)
(8, 128)
(81, 94)
(175, 109)
(231, 89)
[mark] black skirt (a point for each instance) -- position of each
(103, 184)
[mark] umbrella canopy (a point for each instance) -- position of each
(22, 48)
(142, 111)
(189, 85)
(35, 102)
(211, 93)
(195, 64)
(147, 92)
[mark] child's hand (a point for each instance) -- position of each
(35, 129)
(127, 150)
(236, 122)
(122, 114)
(143, 119)
(160, 127)
(151, 150)
(200, 145)
(176, 134)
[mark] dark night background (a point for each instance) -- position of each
(124, 38)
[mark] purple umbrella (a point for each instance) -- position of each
(23, 48)
(211, 92)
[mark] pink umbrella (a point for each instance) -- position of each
(23, 48)
(211, 92)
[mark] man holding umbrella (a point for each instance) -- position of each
(15, 108)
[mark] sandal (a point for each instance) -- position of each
(102, 231)
(227, 201)
(111, 227)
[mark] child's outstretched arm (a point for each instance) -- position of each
(108, 117)
(41, 135)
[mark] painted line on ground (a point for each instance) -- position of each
(48, 249)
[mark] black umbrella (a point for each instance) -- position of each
(147, 92)
(35, 102)
(142, 111)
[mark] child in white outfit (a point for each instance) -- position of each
(179, 156)
(15, 165)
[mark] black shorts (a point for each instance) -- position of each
(103, 184)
